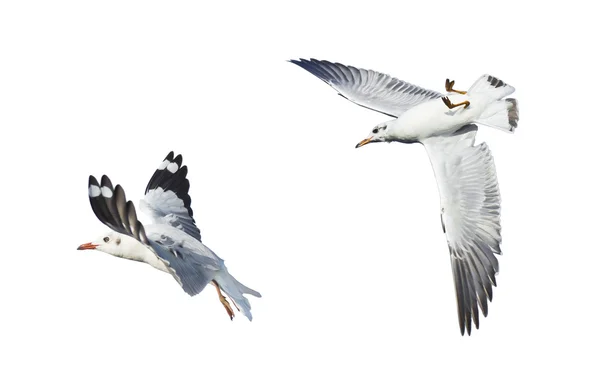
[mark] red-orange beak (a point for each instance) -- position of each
(87, 246)
(363, 142)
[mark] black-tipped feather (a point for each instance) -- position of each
(111, 205)
(121, 205)
(173, 184)
(99, 205)
(113, 210)
(158, 174)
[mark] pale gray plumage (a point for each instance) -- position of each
(368, 88)
(172, 242)
(167, 200)
(465, 173)
(470, 210)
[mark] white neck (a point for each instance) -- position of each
(396, 132)
(136, 251)
(143, 254)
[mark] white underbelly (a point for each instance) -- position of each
(435, 118)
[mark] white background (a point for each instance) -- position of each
(344, 244)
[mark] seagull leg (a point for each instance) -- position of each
(450, 85)
(449, 104)
(224, 301)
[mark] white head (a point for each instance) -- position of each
(112, 243)
(379, 133)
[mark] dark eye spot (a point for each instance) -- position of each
(384, 127)
(106, 239)
(375, 131)
(118, 241)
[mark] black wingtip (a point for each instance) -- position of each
(178, 159)
(92, 181)
(175, 181)
(105, 181)
(118, 188)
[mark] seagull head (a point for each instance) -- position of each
(111, 243)
(378, 134)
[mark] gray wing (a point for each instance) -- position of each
(167, 200)
(193, 268)
(113, 210)
(470, 211)
(367, 88)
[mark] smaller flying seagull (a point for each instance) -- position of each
(446, 125)
(172, 242)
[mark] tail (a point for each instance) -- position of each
(491, 86)
(236, 290)
(501, 114)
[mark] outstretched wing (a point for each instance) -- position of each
(470, 211)
(167, 200)
(367, 88)
(113, 210)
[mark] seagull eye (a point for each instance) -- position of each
(375, 131)
(106, 239)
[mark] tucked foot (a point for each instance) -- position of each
(450, 85)
(224, 301)
(450, 105)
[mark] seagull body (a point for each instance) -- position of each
(172, 243)
(446, 126)
(433, 118)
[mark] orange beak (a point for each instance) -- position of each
(87, 246)
(363, 142)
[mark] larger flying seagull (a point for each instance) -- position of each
(172, 242)
(465, 172)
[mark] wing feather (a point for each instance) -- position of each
(167, 200)
(368, 88)
(470, 210)
(193, 271)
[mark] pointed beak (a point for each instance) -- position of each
(87, 246)
(363, 142)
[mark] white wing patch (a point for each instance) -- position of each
(106, 192)
(172, 167)
(94, 191)
(163, 165)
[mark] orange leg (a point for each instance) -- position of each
(224, 301)
(450, 85)
(450, 105)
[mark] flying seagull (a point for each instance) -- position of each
(446, 125)
(172, 242)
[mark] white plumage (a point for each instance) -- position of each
(172, 243)
(465, 173)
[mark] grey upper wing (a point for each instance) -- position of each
(470, 211)
(193, 271)
(112, 209)
(367, 88)
(167, 200)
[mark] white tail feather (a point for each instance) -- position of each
(491, 86)
(502, 114)
(236, 290)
